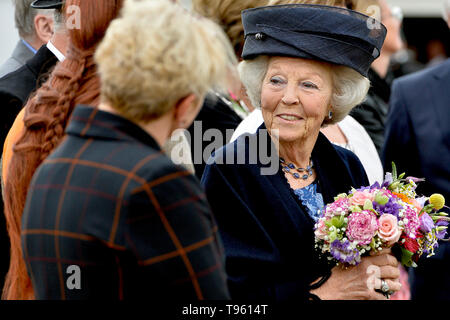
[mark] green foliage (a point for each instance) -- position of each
(381, 198)
(407, 258)
(337, 222)
(368, 205)
(394, 172)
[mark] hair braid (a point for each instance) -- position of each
(63, 108)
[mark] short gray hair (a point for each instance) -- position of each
(349, 87)
(24, 16)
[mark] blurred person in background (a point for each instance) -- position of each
(405, 62)
(16, 87)
(40, 126)
(418, 141)
(371, 114)
(436, 52)
(35, 29)
(221, 111)
(138, 226)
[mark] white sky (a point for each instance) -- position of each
(8, 33)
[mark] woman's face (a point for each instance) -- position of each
(295, 97)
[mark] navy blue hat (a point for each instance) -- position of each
(47, 4)
(332, 34)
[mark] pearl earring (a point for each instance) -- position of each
(330, 115)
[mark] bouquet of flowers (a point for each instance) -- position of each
(376, 217)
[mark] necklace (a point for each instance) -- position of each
(292, 169)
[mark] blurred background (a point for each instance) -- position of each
(8, 33)
(426, 34)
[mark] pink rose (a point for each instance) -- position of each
(321, 229)
(388, 229)
(416, 204)
(362, 227)
(359, 197)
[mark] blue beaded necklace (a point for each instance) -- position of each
(291, 168)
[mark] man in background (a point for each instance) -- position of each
(35, 29)
(418, 141)
(17, 86)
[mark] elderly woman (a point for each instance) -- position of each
(348, 133)
(108, 215)
(304, 71)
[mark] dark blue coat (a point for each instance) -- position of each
(267, 233)
(418, 141)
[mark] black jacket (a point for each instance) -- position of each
(217, 115)
(16, 87)
(372, 113)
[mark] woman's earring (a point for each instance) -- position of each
(330, 115)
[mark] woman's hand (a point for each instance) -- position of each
(359, 282)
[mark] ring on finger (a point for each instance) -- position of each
(385, 289)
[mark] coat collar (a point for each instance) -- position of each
(41, 63)
(89, 122)
(443, 71)
(21, 53)
(333, 174)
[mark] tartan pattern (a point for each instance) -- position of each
(109, 201)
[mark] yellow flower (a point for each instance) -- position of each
(437, 200)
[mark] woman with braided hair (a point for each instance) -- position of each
(40, 126)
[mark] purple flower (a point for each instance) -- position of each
(387, 179)
(415, 179)
(391, 207)
(426, 223)
(342, 252)
(376, 185)
(441, 234)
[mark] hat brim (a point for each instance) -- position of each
(47, 4)
(332, 34)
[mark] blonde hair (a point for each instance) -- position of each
(322, 2)
(368, 7)
(227, 13)
(157, 53)
(349, 87)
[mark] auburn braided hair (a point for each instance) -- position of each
(73, 81)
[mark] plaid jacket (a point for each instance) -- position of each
(109, 216)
